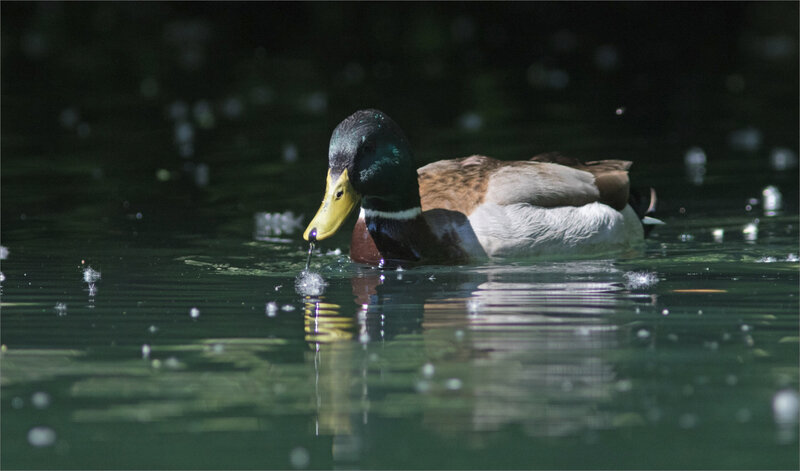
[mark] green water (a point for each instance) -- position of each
(190, 347)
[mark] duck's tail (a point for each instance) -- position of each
(644, 204)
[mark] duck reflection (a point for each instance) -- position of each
(530, 346)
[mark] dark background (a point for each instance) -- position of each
(507, 79)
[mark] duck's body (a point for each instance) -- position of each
(454, 211)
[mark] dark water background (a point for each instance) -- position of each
(148, 140)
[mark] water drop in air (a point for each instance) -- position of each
(310, 250)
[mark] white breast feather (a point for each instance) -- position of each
(523, 229)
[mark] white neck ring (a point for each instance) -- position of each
(404, 215)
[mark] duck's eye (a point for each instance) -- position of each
(339, 194)
(368, 148)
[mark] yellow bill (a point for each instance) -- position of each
(340, 199)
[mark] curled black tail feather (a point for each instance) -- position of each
(643, 203)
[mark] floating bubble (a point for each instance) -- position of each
(146, 351)
(695, 163)
(470, 121)
(773, 47)
(687, 421)
(173, 363)
(163, 175)
(422, 386)
(69, 118)
(40, 400)
(34, 45)
(640, 279)
(746, 139)
(289, 153)
(583, 331)
(541, 76)
(184, 132)
(90, 275)
(309, 283)
(272, 309)
(270, 225)
(474, 306)
(299, 458)
(203, 114)
(428, 370)
(782, 158)
(453, 384)
(773, 200)
(61, 309)
(624, 385)
(606, 57)
(194, 313)
(785, 406)
(316, 103)
(750, 231)
(200, 175)
(41, 436)
(743, 415)
(217, 348)
(233, 108)
(695, 156)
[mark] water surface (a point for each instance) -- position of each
(150, 317)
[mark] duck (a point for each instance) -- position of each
(473, 208)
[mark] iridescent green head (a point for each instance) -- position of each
(369, 158)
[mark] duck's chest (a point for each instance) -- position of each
(392, 242)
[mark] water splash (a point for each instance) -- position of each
(639, 280)
(309, 283)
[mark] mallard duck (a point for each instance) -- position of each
(472, 208)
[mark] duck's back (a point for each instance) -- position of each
(547, 205)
